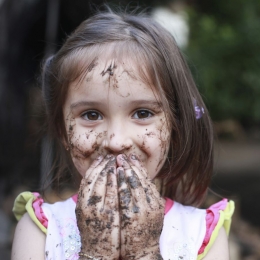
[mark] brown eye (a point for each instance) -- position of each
(142, 114)
(92, 116)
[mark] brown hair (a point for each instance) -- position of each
(187, 171)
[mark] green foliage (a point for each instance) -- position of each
(224, 49)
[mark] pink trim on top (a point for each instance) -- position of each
(37, 206)
(75, 198)
(168, 204)
(212, 218)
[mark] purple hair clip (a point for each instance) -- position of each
(199, 111)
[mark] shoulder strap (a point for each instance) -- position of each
(24, 203)
(218, 215)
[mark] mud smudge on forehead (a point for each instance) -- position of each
(115, 83)
(92, 65)
(114, 78)
(90, 68)
(110, 69)
(88, 79)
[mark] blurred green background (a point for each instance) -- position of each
(221, 42)
(224, 47)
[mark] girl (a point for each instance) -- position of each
(124, 108)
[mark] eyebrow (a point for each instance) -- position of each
(134, 102)
(147, 102)
(83, 103)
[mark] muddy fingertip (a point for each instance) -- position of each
(112, 162)
(120, 160)
(135, 160)
(108, 156)
(133, 157)
(99, 158)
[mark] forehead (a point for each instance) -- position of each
(129, 55)
(139, 65)
(126, 58)
(109, 77)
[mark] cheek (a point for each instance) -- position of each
(164, 135)
(84, 147)
(157, 143)
(155, 139)
(84, 143)
(80, 146)
(158, 138)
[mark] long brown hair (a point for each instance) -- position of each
(187, 171)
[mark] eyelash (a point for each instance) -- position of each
(86, 115)
(143, 110)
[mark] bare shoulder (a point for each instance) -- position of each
(29, 241)
(219, 250)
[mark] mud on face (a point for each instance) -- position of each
(117, 87)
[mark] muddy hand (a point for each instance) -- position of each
(141, 211)
(97, 210)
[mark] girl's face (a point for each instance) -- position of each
(110, 111)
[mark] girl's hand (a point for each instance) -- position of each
(141, 211)
(97, 210)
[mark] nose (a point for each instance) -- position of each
(118, 139)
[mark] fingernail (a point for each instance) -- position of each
(133, 157)
(112, 159)
(100, 157)
(108, 156)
